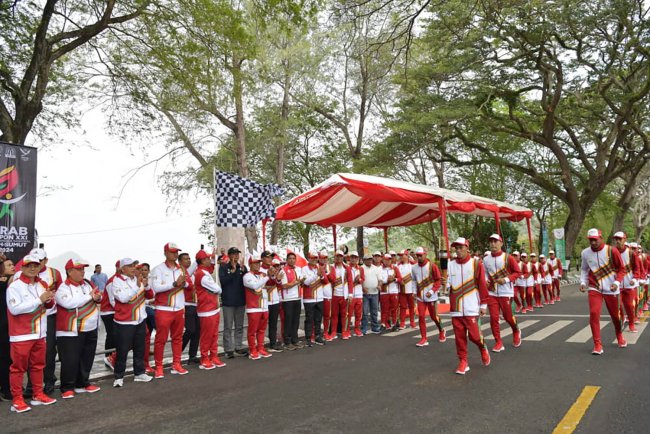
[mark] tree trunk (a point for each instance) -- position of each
(282, 144)
(360, 248)
(572, 228)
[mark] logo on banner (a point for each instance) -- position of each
(8, 181)
(10, 153)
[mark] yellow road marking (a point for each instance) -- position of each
(572, 418)
(644, 317)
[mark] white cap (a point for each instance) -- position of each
(420, 251)
(31, 259)
(322, 254)
(487, 252)
(551, 252)
(127, 261)
(495, 237)
(339, 253)
(276, 261)
(524, 255)
(542, 257)
(620, 234)
(460, 241)
(38, 253)
(392, 253)
(377, 253)
(354, 253)
(634, 245)
(533, 254)
(312, 254)
(255, 257)
(594, 233)
(515, 253)
(388, 256)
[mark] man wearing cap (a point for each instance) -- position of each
(427, 284)
(144, 275)
(233, 297)
(602, 274)
(376, 259)
(518, 299)
(521, 284)
(130, 293)
(53, 278)
(406, 291)
(546, 272)
(77, 319)
(208, 310)
(324, 265)
(630, 282)
(537, 277)
(371, 286)
(273, 299)
(468, 297)
(28, 298)
(312, 299)
(556, 264)
(168, 281)
(291, 280)
(356, 301)
(342, 287)
(502, 271)
(256, 306)
(107, 313)
(192, 332)
(389, 297)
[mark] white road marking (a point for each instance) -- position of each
(548, 330)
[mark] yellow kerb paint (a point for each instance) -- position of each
(572, 418)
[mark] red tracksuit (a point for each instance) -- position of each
(343, 284)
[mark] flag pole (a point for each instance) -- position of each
(334, 236)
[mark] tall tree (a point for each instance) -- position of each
(36, 40)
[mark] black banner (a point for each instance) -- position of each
(17, 199)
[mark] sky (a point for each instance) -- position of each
(88, 220)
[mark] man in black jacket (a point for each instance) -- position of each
(233, 301)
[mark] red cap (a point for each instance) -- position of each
(594, 234)
(172, 247)
(496, 237)
(460, 242)
(79, 264)
(202, 254)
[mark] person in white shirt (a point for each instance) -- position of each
(371, 286)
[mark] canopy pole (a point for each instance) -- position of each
(264, 233)
(443, 222)
(334, 236)
(498, 219)
(385, 239)
(530, 234)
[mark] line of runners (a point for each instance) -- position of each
(187, 300)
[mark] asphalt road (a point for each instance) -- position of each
(382, 384)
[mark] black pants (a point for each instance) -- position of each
(192, 330)
(291, 321)
(274, 313)
(77, 354)
(313, 319)
(109, 343)
(5, 360)
(129, 337)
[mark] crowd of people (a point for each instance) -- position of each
(183, 299)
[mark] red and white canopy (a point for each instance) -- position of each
(353, 200)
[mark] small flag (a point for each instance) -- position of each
(243, 203)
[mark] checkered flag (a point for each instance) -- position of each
(241, 202)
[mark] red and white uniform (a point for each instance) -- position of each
(468, 294)
(602, 269)
(189, 292)
(49, 276)
(427, 280)
(27, 314)
(500, 265)
(356, 302)
(27, 330)
(633, 273)
(106, 306)
(130, 300)
(257, 310)
(208, 310)
(290, 285)
(389, 296)
(170, 308)
(327, 298)
(546, 275)
(312, 290)
(342, 289)
(406, 294)
(78, 312)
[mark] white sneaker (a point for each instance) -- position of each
(142, 378)
(118, 382)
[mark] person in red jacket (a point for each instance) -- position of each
(557, 274)
(192, 331)
(257, 306)
(28, 298)
(356, 302)
(342, 289)
(630, 282)
(389, 297)
(208, 310)
(468, 297)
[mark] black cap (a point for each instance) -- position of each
(266, 254)
(233, 250)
